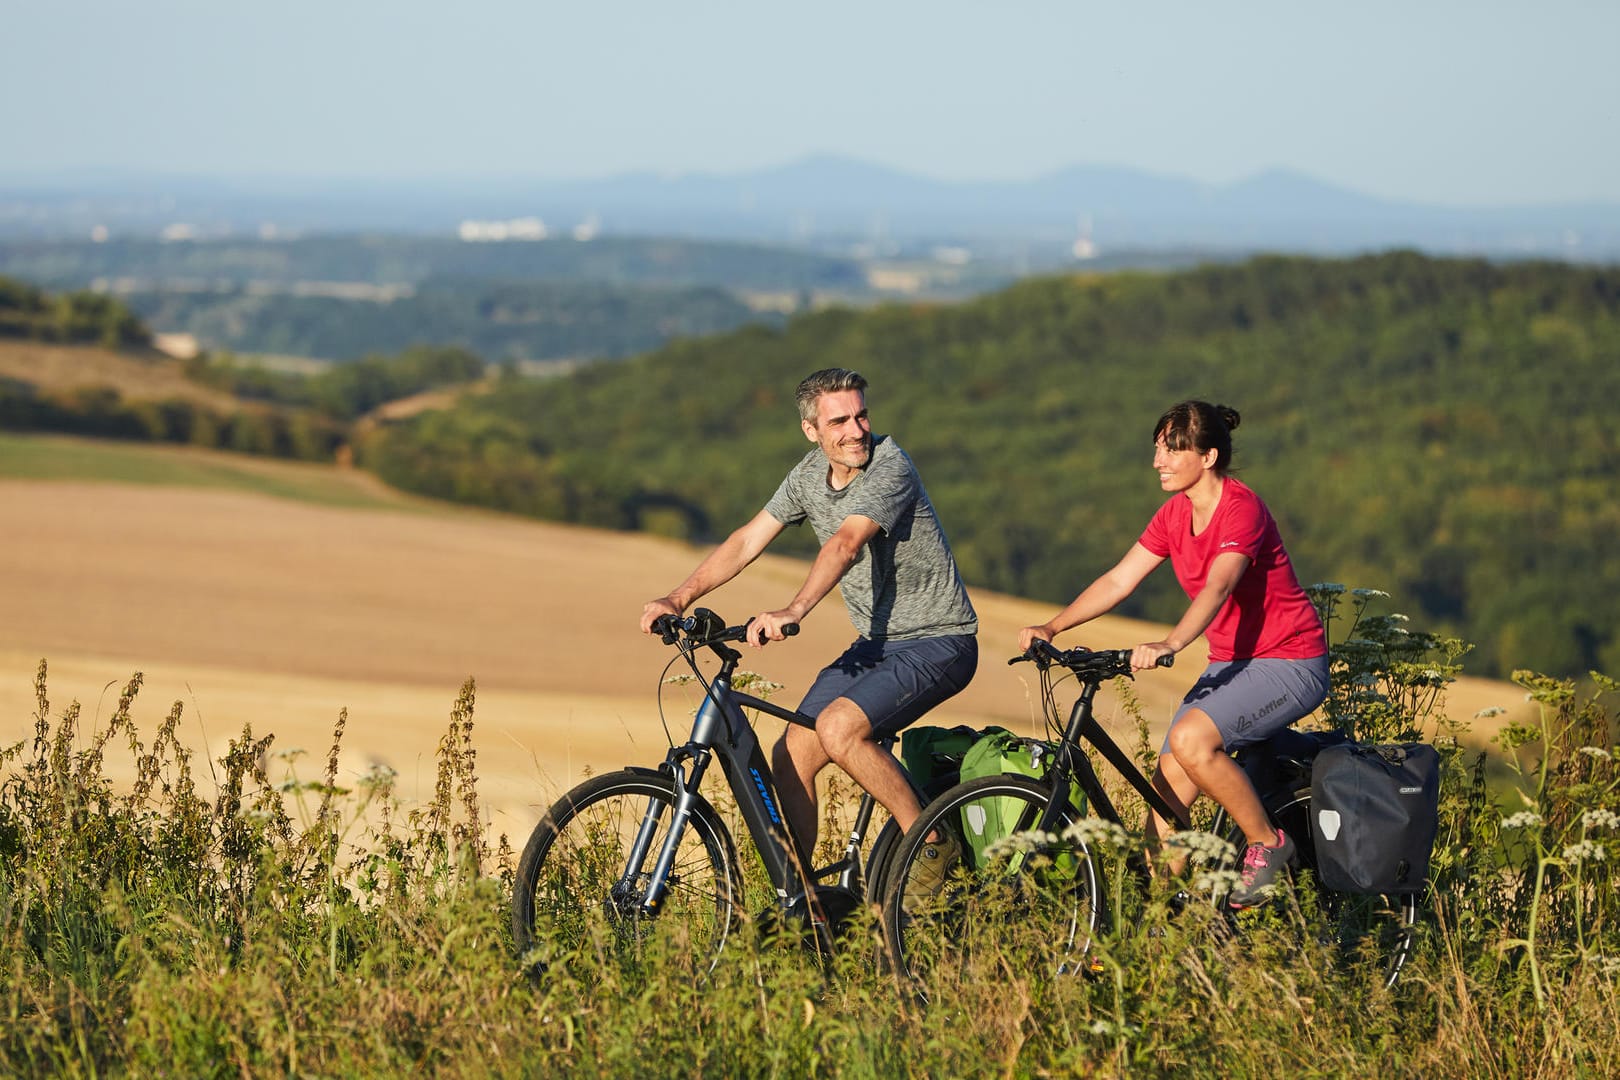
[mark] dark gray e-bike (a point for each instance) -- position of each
(642, 851)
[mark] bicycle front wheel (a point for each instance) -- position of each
(962, 906)
(1372, 932)
(585, 872)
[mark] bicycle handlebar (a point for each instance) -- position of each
(1086, 663)
(704, 627)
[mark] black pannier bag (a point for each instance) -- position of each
(1374, 816)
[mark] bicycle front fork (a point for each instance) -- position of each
(648, 890)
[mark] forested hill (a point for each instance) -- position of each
(1444, 430)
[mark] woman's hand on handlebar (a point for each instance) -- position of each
(1029, 634)
(1151, 655)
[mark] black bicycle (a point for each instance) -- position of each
(642, 849)
(1003, 859)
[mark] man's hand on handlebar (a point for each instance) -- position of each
(1151, 654)
(1030, 634)
(652, 610)
(770, 626)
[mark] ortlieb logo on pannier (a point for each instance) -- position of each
(1374, 816)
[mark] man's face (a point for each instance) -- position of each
(841, 428)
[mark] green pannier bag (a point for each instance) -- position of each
(933, 755)
(996, 753)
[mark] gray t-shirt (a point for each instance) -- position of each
(904, 584)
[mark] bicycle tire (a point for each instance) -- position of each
(969, 920)
(573, 885)
(877, 863)
(1374, 931)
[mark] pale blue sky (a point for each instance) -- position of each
(1460, 102)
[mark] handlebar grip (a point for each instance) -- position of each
(1167, 660)
(666, 627)
(788, 630)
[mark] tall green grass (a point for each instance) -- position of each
(237, 918)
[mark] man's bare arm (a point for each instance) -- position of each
(720, 566)
(837, 555)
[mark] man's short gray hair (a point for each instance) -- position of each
(826, 381)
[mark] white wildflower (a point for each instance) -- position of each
(1331, 588)
(1585, 851)
(1215, 882)
(1596, 752)
(755, 683)
(1020, 843)
(1370, 594)
(1202, 846)
(1600, 819)
(1489, 711)
(1095, 832)
(1524, 819)
(1609, 965)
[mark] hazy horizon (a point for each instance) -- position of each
(1446, 103)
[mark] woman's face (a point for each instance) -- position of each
(1179, 470)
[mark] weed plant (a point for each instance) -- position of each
(237, 920)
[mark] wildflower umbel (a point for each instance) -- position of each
(1095, 832)
(1216, 882)
(1524, 819)
(1204, 847)
(1585, 851)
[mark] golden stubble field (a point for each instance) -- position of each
(251, 609)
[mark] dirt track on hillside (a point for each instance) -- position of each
(250, 609)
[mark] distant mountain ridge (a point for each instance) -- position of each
(830, 200)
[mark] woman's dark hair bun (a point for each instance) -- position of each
(1229, 416)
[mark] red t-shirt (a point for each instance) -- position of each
(1268, 614)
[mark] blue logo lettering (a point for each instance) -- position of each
(764, 793)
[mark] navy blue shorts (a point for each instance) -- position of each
(1252, 700)
(895, 682)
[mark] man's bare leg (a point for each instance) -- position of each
(846, 739)
(796, 760)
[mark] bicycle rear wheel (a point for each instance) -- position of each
(956, 911)
(585, 871)
(1372, 932)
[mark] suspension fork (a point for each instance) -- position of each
(657, 880)
(686, 782)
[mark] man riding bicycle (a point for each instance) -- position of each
(881, 544)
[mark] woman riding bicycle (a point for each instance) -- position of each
(1267, 650)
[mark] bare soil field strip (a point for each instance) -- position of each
(279, 613)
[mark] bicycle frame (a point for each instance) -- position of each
(721, 730)
(1071, 764)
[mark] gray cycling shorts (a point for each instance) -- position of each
(895, 682)
(1252, 700)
